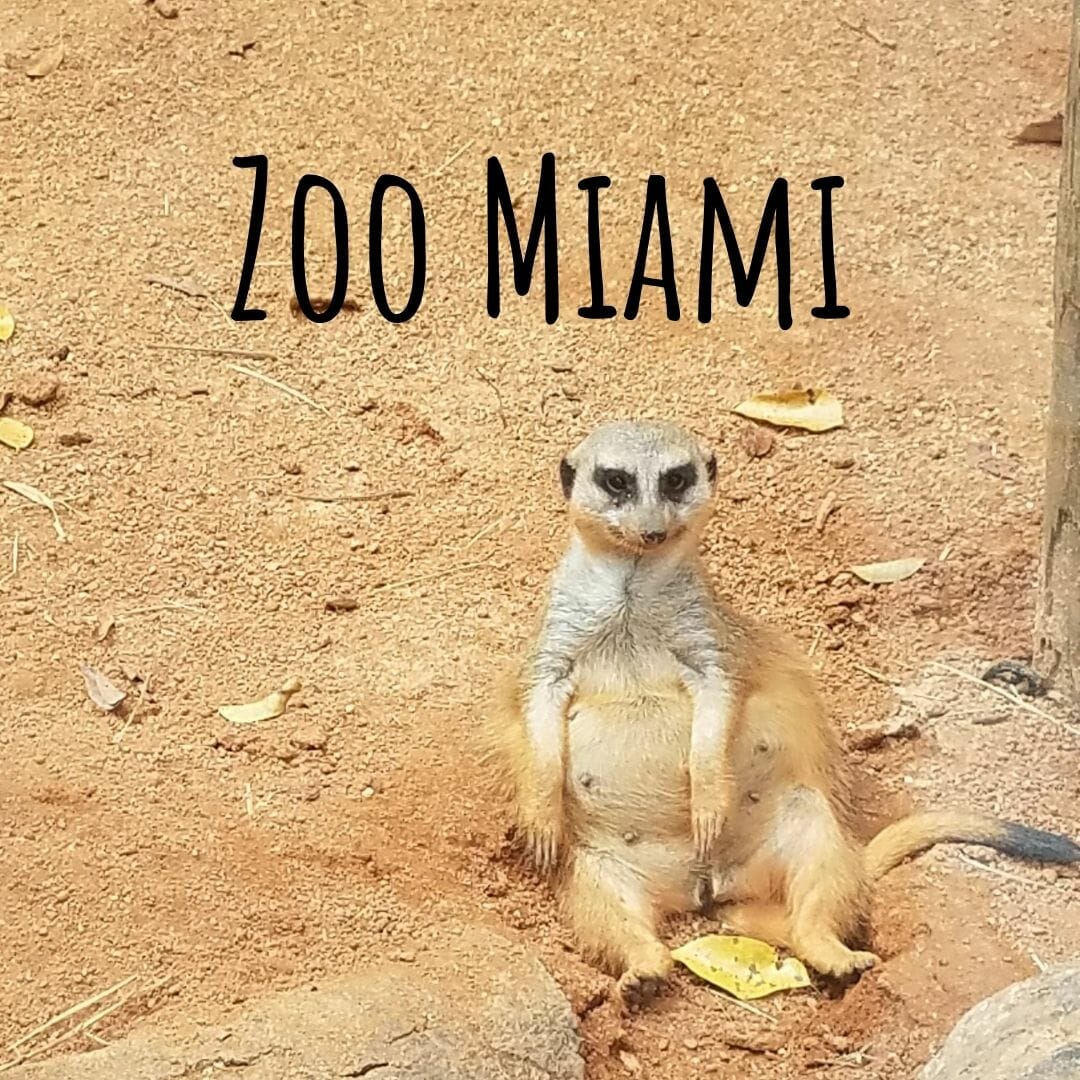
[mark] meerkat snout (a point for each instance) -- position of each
(637, 487)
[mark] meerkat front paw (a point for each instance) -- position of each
(542, 827)
(544, 843)
(709, 811)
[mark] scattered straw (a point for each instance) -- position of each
(1009, 695)
(828, 504)
(73, 1010)
(212, 350)
(83, 1027)
(498, 395)
(15, 555)
(283, 387)
(881, 677)
(450, 160)
(167, 605)
(35, 495)
(375, 496)
(992, 869)
(429, 577)
(862, 28)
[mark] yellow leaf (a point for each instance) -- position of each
(742, 966)
(7, 323)
(266, 708)
(15, 434)
(885, 573)
(45, 62)
(812, 410)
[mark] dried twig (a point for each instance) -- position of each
(862, 28)
(429, 577)
(73, 1010)
(817, 640)
(878, 675)
(15, 555)
(1009, 695)
(828, 504)
(83, 1027)
(168, 605)
(450, 160)
(210, 350)
(992, 869)
(374, 496)
(283, 387)
(498, 394)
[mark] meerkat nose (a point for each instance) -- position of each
(654, 538)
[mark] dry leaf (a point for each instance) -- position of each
(15, 434)
(742, 966)
(885, 573)
(812, 410)
(757, 441)
(1042, 131)
(101, 692)
(266, 708)
(7, 323)
(45, 62)
(28, 491)
(188, 286)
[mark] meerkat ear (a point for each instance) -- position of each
(710, 468)
(566, 476)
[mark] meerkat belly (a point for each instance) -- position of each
(627, 765)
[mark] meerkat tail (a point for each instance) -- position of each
(919, 832)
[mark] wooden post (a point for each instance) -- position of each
(1057, 629)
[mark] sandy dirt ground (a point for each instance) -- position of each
(211, 516)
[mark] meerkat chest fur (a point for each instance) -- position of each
(629, 624)
(631, 628)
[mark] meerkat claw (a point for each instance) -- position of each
(708, 825)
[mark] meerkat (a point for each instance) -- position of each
(661, 753)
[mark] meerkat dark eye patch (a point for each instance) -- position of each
(675, 483)
(618, 483)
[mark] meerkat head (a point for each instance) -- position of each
(638, 486)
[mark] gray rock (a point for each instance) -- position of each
(1028, 1031)
(482, 1009)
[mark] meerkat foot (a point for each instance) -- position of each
(643, 980)
(702, 898)
(831, 957)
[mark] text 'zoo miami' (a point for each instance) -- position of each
(534, 265)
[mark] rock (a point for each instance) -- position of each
(38, 390)
(1028, 1031)
(309, 736)
(482, 1009)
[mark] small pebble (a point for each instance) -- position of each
(166, 9)
(38, 390)
(842, 461)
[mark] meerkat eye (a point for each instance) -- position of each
(617, 482)
(676, 482)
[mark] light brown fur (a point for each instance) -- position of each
(623, 836)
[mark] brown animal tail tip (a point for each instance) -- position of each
(1023, 842)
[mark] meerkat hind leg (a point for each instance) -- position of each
(614, 919)
(824, 885)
